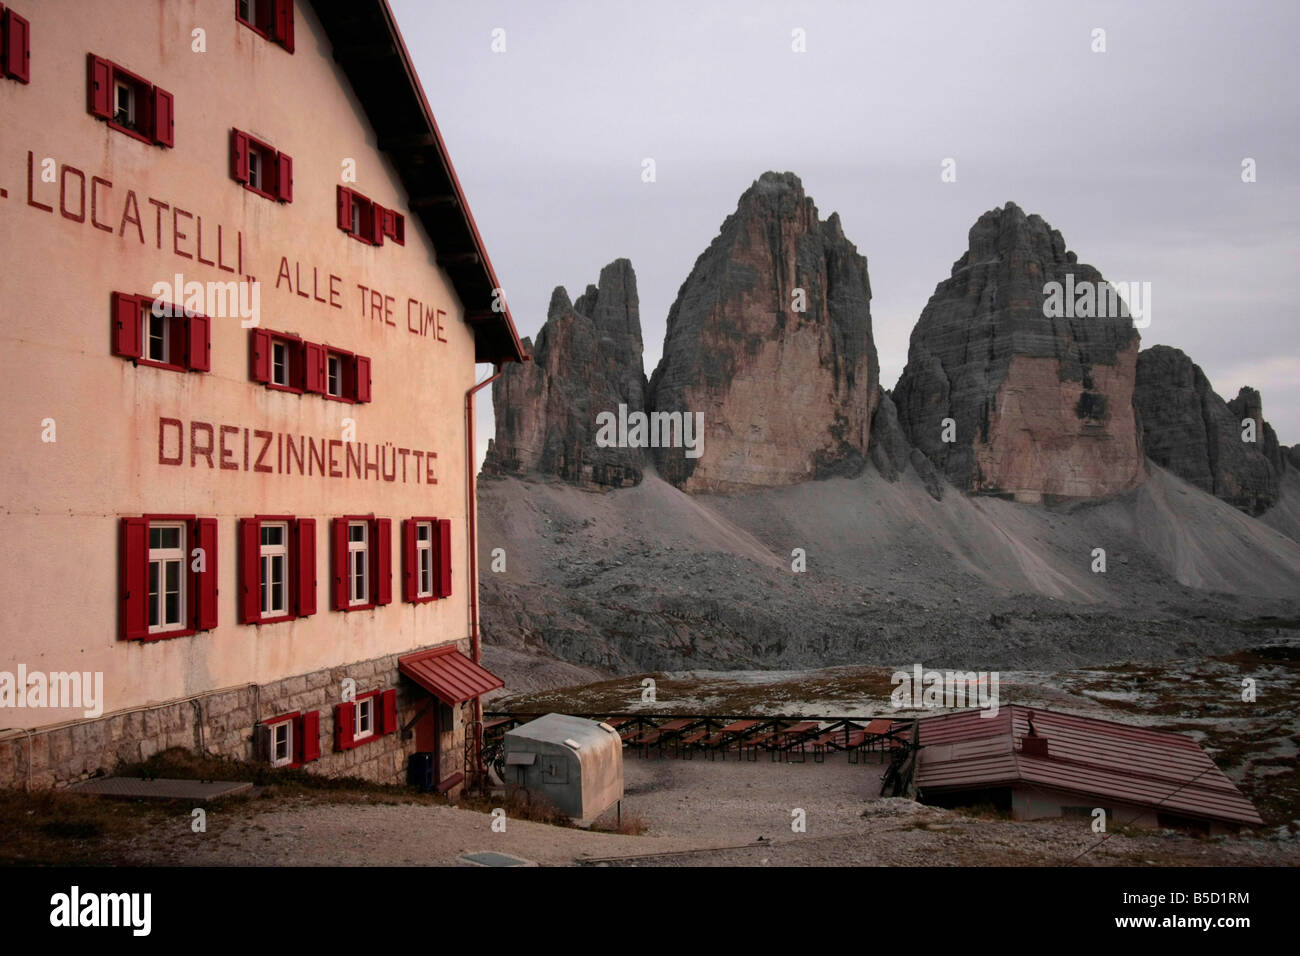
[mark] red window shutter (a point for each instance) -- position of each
(345, 208)
(388, 712)
(410, 577)
(283, 177)
(314, 377)
(198, 343)
(304, 563)
(383, 563)
(399, 228)
(250, 570)
(203, 534)
(376, 224)
(339, 560)
(17, 54)
(127, 325)
(442, 541)
(178, 324)
(361, 377)
(164, 133)
(260, 356)
(239, 156)
(99, 86)
(297, 366)
(307, 730)
(135, 578)
(284, 23)
(343, 715)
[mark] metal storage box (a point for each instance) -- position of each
(575, 763)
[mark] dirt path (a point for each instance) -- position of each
(716, 811)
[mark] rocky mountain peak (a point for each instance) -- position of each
(1006, 393)
(587, 360)
(770, 338)
(1189, 429)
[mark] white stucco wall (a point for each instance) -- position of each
(62, 501)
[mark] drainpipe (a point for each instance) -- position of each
(472, 511)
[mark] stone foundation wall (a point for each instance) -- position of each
(221, 723)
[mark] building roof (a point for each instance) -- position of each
(1086, 755)
(448, 674)
(369, 49)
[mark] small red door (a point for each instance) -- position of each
(427, 734)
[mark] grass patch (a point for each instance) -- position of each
(56, 828)
(519, 804)
(273, 783)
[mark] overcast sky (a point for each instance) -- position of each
(1134, 154)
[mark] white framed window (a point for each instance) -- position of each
(280, 363)
(358, 562)
(282, 743)
(356, 217)
(156, 334)
(255, 170)
(166, 577)
(424, 559)
(274, 552)
(248, 10)
(124, 104)
(334, 376)
(364, 724)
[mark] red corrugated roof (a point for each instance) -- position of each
(448, 674)
(1086, 755)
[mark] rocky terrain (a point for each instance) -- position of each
(1190, 430)
(1095, 503)
(770, 337)
(652, 578)
(1039, 405)
(587, 359)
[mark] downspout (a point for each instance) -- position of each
(472, 512)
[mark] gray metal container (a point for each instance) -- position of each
(575, 763)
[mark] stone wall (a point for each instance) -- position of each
(221, 723)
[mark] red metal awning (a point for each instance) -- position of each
(448, 674)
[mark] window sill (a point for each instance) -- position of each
(166, 635)
(338, 398)
(166, 365)
(360, 238)
(279, 619)
(359, 607)
(134, 134)
(261, 192)
(369, 738)
(283, 388)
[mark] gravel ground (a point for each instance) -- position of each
(696, 813)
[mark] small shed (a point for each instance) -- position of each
(575, 763)
(1042, 764)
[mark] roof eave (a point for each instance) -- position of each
(496, 339)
